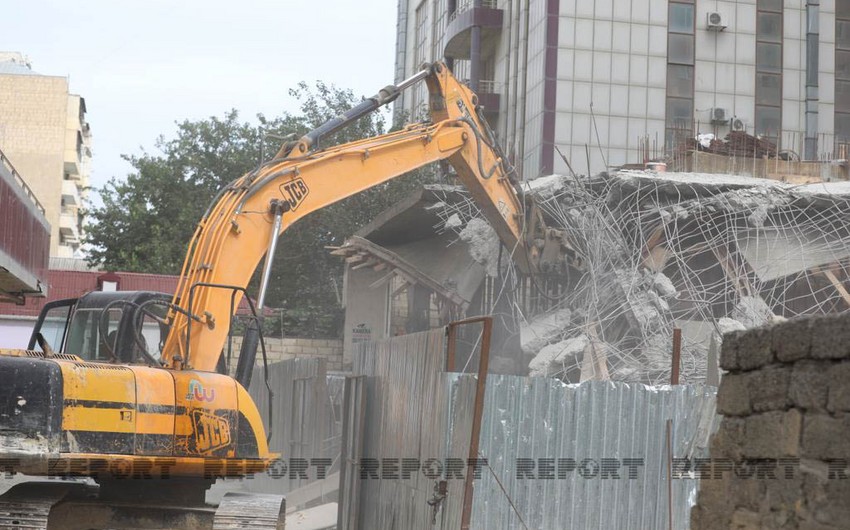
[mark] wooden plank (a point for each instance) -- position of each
(742, 286)
(406, 270)
(371, 262)
(400, 289)
(838, 285)
(384, 279)
(594, 363)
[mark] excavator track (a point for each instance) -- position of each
(27, 506)
(78, 506)
(238, 511)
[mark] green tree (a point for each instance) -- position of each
(147, 220)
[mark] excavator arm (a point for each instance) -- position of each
(250, 214)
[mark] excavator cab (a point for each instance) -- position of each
(124, 327)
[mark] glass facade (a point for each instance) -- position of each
(842, 75)
(768, 112)
(679, 123)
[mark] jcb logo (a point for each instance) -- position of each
(294, 192)
(211, 432)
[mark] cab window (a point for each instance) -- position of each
(84, 337)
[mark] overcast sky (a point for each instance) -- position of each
(143, 65)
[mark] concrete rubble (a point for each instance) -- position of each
(704, 253)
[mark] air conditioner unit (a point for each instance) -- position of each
(738, 124)
(715, 21)
(718, 116)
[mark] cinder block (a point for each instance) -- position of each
(826, 501)
(778, 518)
(814, 525)
(839, 387)
(831, 337)
(755, 348)
(826, 437)
(733, 396)
(768, 388)
(809, 385)
(714, 506)
(772, 434)
(792, 339)
(728, 441)
(781, 494)
(745, 520)
(729, 350)
(747, 493)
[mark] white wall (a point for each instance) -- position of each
(613, 54)
(15, 332)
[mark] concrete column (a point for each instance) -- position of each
(475, 53)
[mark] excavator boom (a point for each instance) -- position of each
(236, 233)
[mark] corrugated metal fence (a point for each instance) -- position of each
(588, 429)
(306, 408)
(412, 409)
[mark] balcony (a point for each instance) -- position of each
(24, 238)
(72, 164)
(69, 229)
(458, 31)
(489, 94)
(70, 194)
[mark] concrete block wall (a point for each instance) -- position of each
(780, 456)
(292, 348)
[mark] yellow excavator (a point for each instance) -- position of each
(131, 389)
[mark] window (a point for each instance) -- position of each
(421, 22)
(680, 49)
(768, 115)
(680, 112)
(842, 34)
(768, 121)
(842, 126)
(680, 81)
(842, 65)
(768, 89)
(770, 5)
(769, 27)
(842, 95)
(681, 18)
(680, 74)
(769, 57)
(84, 337)
(842, 78)
(54, 326)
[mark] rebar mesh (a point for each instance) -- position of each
(704, 253)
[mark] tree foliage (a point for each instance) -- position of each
(147, 219)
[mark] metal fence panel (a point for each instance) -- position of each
(538, 418)
(413, 409)
(304, 417)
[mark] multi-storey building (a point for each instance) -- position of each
(45, 135)
(600, 80)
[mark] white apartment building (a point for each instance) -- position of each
(602, 80)
(46, 136)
